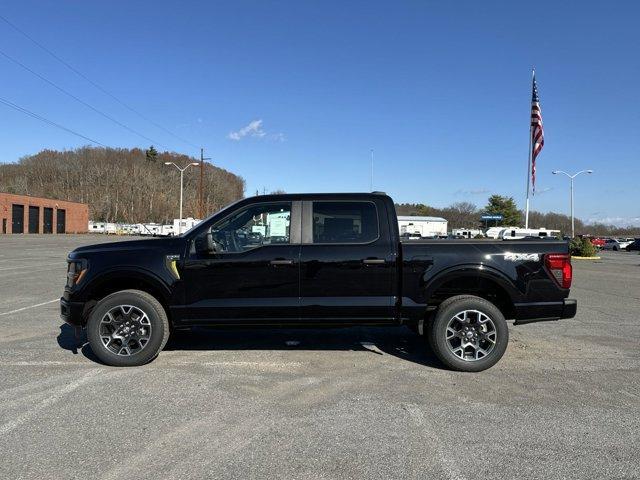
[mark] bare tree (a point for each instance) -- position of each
(120, 185)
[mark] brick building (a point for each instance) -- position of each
(25, 214)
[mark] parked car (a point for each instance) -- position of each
(616, 244)
(635, 245)
(314, 260)
(597, 242)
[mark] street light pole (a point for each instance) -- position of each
(181, 169)
(571, 177)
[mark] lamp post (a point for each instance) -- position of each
(181, 169)
(571, 177)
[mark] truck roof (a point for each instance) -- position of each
(305, 196)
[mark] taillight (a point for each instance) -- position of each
(559, 264)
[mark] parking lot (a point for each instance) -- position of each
(564, 402)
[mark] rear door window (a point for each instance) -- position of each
(345, 222)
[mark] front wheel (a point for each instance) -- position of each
(469, 334)
(127, 328)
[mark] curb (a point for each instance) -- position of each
(585, 258)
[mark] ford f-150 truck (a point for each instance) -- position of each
(314, 260)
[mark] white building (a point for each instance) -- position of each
(423, 226)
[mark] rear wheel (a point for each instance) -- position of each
(127, 328)
(468, 333)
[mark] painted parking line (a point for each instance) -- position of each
(22, 267)
(29, 307)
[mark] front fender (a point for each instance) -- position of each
(126, 276)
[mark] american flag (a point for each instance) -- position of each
(537, 131)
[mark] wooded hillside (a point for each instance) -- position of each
(121, 185)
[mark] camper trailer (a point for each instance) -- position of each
(422, 226)
(519, 233)
(466, 232)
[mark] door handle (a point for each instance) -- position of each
(373, 261)
(281, 261)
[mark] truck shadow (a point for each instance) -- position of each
(398, 342)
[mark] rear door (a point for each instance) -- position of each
(347, 263)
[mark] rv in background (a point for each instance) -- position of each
(494, 232)
(415, 226)
(181, 227)
(466, 232)
(519, 233)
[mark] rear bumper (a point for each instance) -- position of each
(72, 312)
(543, 311)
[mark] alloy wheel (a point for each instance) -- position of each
(471, 335)
(125, 330)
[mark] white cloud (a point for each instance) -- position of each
(254, 129)
(476, 191)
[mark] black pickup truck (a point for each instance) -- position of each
(314, 260)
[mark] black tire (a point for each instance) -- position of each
(428, 325)
(615, 249)
(441, 346)
(157, 321)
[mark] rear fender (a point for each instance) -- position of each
(471, 271)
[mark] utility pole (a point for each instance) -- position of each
(201, 185)
(371, 179)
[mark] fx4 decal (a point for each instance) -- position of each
(522, 257)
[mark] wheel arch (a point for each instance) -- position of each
(478, 280)
(128, 279)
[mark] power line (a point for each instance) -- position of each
(79, 100)
(47, 121)
(109, 94)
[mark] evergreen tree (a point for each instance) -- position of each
(505, 206)
(151, 154)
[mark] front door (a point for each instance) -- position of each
(253, 274)
(347, 263)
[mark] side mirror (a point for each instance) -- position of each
(205, 245)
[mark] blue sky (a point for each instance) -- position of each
(293, 95)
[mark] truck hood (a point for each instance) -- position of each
(143, 244)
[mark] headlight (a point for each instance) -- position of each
(76, 271)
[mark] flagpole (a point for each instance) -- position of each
(526, 214)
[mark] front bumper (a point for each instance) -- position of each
(72, 312)
(544, 311)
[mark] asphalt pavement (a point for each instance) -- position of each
(564, 402)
